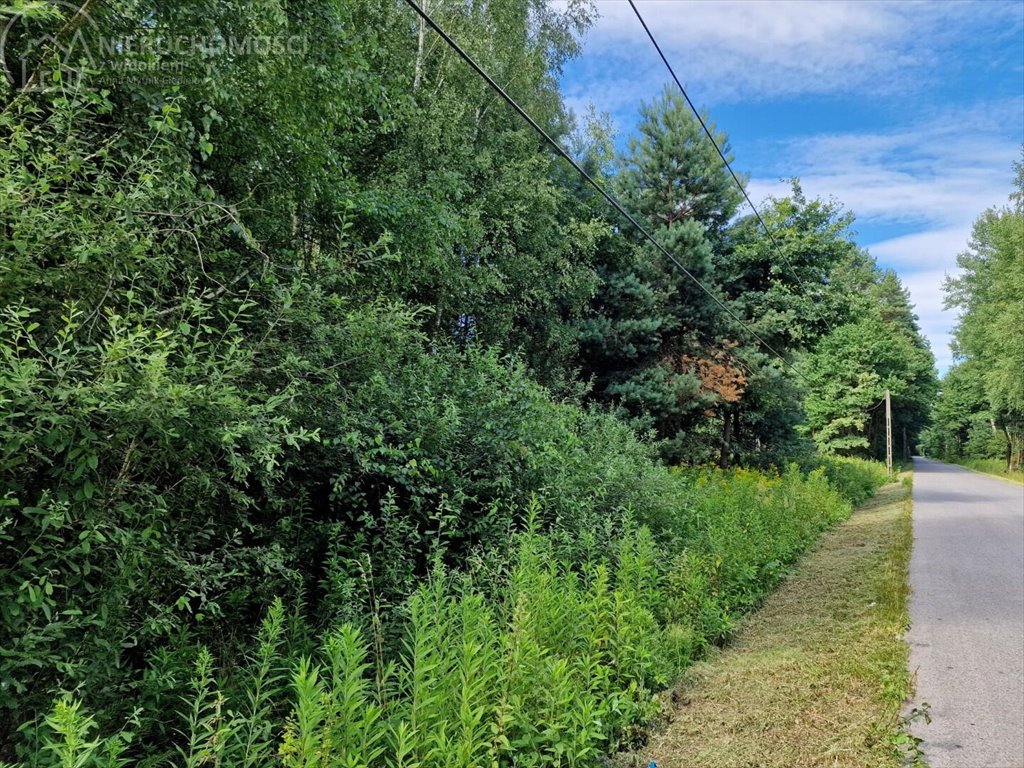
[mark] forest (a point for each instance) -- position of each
(978, 417)
(343, 424)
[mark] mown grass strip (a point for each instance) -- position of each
(993, 468)
(818, 675)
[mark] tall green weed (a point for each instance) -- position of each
(855, 478)
(554, 662)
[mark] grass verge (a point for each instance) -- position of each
(816, 677)
(993, 467)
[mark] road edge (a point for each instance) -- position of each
(849, 645)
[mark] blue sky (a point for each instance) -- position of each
(910, 114)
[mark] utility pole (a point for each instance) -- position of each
(888, 432)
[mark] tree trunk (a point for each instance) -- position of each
(418, 76)
(1016, 451)
(727, 425)
(1009, 447)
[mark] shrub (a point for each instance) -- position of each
(856, 479)
(553, 662)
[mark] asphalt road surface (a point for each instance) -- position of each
(967, 616)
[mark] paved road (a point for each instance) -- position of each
(967, 616)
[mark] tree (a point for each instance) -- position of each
(782, 283)
(653, 333)
(235, 360)
(990, 294)
(962, 422)
(786, 285)
(847, 375)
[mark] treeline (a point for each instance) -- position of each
(979, 413)
(314, 325)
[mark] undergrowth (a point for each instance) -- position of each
(548, 663)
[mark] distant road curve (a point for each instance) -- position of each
(967, 616)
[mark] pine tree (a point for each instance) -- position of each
(651, 324)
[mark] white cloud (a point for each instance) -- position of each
(939, 172)
(733, 50)
(930, 179)
(941, 203)
(934, 248)
(936, 322)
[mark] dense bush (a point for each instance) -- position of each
(157, 490)
(856, 479)
(173, 454)
(551, 662)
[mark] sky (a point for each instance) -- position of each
(909, 114)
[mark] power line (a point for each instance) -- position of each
(721, 154)
(579, 169)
